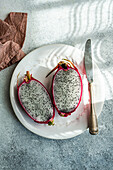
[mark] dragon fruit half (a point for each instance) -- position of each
(66, 88)
(35, 100)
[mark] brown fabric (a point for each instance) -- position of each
(12, 36)
(16, 58)
(11, 53)
(18, 21)
(6, 32)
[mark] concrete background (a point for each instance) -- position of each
(69, 22)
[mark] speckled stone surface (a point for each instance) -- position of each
(69, 22)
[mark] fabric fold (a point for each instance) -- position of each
(18, 21)
(12, 36)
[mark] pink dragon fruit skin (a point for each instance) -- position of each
(67, 88)
(69, 111)
(35, 100)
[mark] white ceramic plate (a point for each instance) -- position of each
(39, 62)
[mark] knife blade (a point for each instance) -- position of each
(92, 122)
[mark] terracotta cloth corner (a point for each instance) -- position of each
(18, 21)
(12, 36)
(11, 53)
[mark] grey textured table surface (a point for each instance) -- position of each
(69, 22)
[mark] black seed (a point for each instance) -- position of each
(64, 66)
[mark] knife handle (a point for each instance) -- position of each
(93, 123)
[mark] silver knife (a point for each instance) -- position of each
(92, 123)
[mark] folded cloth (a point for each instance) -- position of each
(6, 31)
(11, 53)
(12, 36)
(18, 21)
